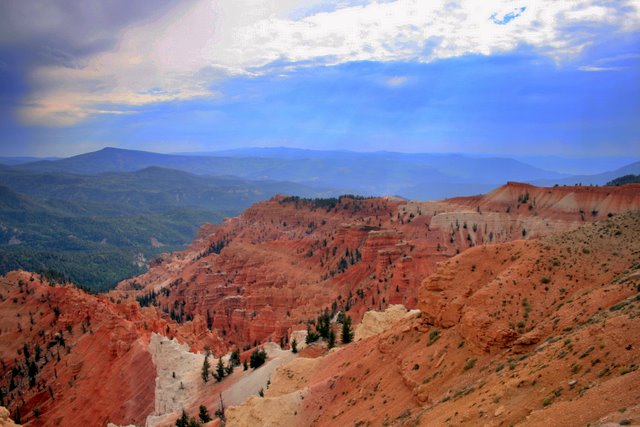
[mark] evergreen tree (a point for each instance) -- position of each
(311, 336)
(245, 365)
(257, 358)
(331, 341)
(183, 421)
(25, 351)
(235, 357)
(204, 414)
(32, 372)
(228, 370)
(219, 370)
(294, 346)
(205, 369)
(324, 324)
(347, 332)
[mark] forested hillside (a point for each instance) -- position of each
(95, 230)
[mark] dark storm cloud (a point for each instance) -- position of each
(41, 32)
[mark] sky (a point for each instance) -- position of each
(514, 78)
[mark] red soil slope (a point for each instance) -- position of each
(532, 332)
(86, 359)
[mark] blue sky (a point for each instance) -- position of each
(513, 78)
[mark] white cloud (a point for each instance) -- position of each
(396, 81)
(593, 69)
(180, 55)
(618, 58)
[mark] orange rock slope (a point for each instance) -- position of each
(523, 333)
(260, 275)
(74, 359)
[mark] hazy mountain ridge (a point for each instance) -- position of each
(420, 176)
(597, 179)
(18, 160)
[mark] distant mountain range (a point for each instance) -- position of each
(597, 179)
(22, 160)
(416, 176)
(421, 176)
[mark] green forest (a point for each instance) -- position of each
(95, 230)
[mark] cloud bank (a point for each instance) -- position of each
(181, 52)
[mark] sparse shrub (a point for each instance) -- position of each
(618, 306)
(470, 363)
(434, 335)
(587, 351)
(627, 369)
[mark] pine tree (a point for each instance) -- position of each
(204, 414)
(205, 369)
(219, 370)
(294, 346)
(32, 372)
(324, 324)
(347, 333)
(331, 341)
(228, 370)
(257, 358)
(311, 336)
(235, 357)
(183, 421)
